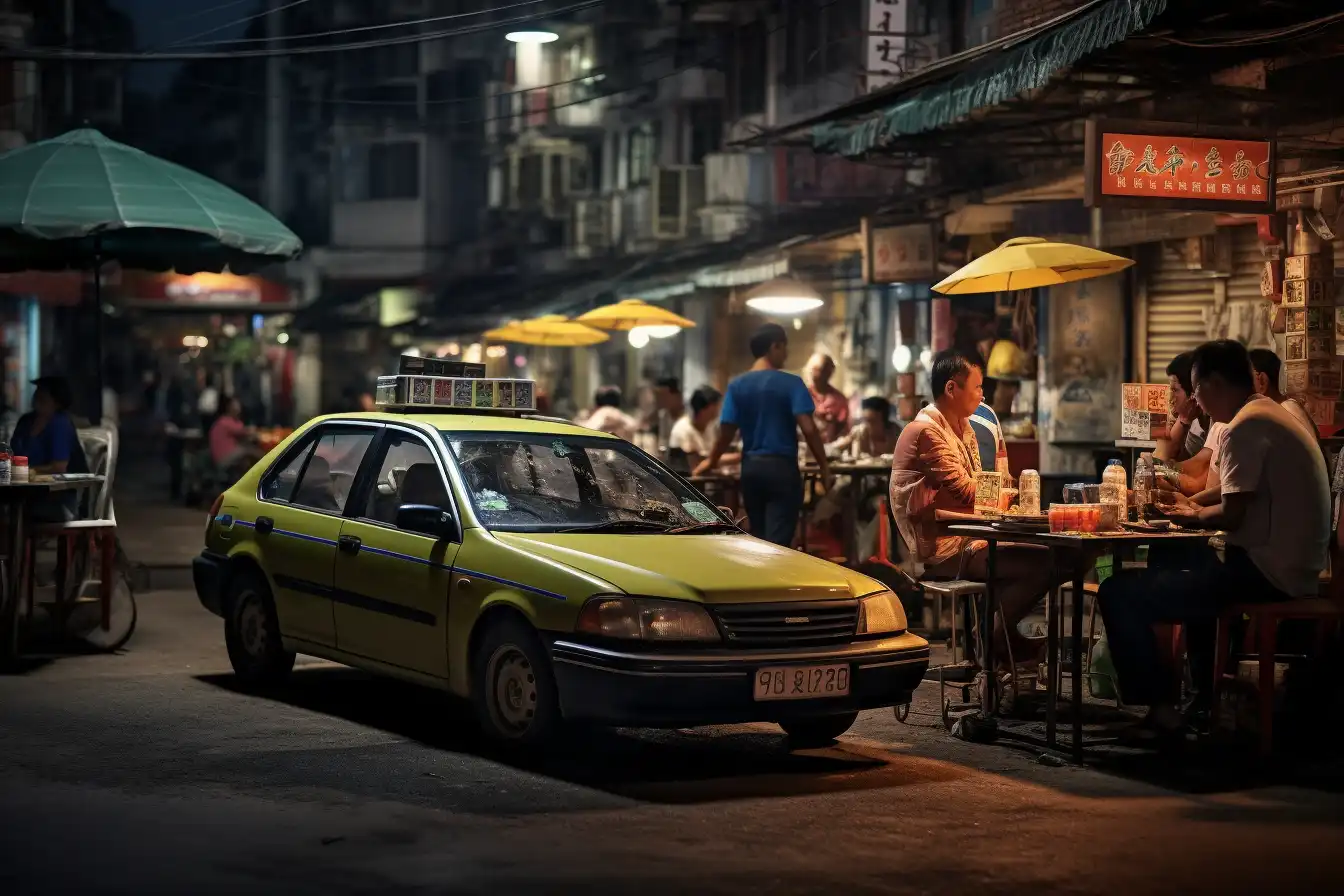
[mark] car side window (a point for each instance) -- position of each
(280, 481)
(330, 474)
(408, 474)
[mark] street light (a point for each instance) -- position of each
(531, 37)
(784, 296)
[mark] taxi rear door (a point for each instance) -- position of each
(391, 583)
(298, 522)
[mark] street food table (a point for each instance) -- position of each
(1077, 546)
(859, 472)
(15, 499)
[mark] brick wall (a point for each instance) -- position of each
(1015, 15)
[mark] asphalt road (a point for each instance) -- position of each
(148, 773)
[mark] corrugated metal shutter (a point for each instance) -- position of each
(1247, 320)
(1179, 301)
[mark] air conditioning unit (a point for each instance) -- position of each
(590, 227)
(678, 194)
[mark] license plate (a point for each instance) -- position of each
(802, 682)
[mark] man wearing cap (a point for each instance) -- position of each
(46, 436)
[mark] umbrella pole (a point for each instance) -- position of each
(96, 418)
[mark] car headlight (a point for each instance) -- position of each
(881, 612)
(646, 619)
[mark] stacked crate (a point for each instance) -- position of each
(1313, 327)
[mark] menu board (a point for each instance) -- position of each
(1145, 410)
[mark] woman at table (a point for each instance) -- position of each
(935, 467)
(46, 436)
(694, 433)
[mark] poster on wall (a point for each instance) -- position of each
(1161, 165)
(1081, 373)
(898, 254)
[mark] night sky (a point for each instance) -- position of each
(159, 22)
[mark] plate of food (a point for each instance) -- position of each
(1149, 526)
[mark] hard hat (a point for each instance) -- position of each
(1008, 362)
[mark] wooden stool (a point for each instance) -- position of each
(1265, 619)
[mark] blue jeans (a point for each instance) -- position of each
(1132, 602)
(772, 494)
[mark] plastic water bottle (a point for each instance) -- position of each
(1115, 490)
(1143, 484)
(1029, 492)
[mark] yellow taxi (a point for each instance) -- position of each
(547, 573)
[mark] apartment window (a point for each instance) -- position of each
(642, 149)
(374, 171)
(750, 74)
(705, 124)
(530, 188)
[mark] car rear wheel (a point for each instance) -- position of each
(513, 689)
(252, 633)
(819, 731)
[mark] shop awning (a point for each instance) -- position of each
(985, 76)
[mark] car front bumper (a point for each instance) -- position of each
(208, 575)
(664, 689)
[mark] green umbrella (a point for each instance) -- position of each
(80, 199)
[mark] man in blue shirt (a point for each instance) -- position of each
(769, 407)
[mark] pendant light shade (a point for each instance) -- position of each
(784, 296)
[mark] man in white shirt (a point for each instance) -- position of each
(693, 435)
(1274, 505)
(1267, 366)
(608, 417)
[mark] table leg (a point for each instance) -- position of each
(1078, 597)
(1052, 621)
(9, 597)
(987, 702)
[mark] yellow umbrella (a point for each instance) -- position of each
(629, 314)
(550, 329)
(1028, 262)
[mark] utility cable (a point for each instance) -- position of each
(67, 55)
(360, 29)
(269, 11)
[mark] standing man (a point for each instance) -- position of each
(770, 406)
(832, 408)
(1274, 506)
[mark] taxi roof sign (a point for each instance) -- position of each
(462, 393)
(414, 365)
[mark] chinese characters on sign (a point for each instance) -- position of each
(888, 41)
(1184, 167)
(902, 253)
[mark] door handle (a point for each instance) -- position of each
(350, 544)
(264, 524)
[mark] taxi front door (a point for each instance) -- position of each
(391, 584)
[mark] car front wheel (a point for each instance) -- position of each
(513, 689)
(252, 633)
(817, 732)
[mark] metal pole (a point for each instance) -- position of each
(69, 78)
(97, 417)
(276, 102)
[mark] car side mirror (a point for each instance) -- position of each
(426, 519)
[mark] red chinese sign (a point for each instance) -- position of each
(1158, 166)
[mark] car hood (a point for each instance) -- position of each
(713, 568)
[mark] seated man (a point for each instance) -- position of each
(1195, 440)
(935, 468)
(1274, 505)
(46, 435)
(873, 436)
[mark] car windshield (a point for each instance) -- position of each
(546, 483)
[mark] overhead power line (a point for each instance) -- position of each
(269, 11)
(68, 55)
(361, 29)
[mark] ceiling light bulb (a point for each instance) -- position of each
(531, 37)
(639, 337)
(661, 331)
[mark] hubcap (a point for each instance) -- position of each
(513, 703)
(252, 625)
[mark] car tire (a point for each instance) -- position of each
(513, 689)
(819, 731)
(252, 633)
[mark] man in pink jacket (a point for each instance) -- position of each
(935, 466)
